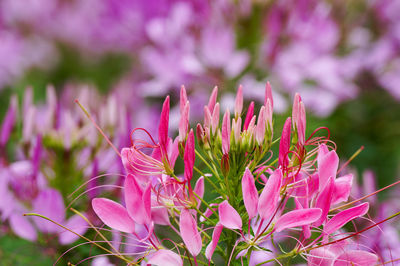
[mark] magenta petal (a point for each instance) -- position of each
(22, 227)
(113, 214)
(297, 218)
(321, 257)
(327, 167)
(250, 193)
(270, 195)
(214, 241)
(189, 156)
(228, 216)
(284, 143)
(356, 257)
(165, 257)
(324, 201)
(189, 233)
(344, 217)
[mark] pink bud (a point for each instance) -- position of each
(249, 116)
(213, 99)
(189, 156)
(207, 117)
(268, 95)
(236, 128)
(183, 99)
(226, 132)
(163, 126)
(284, 144)
(215, 119)
(184, 122)
(299, 118)
(260, 130)
(239, 102)
(268, 115)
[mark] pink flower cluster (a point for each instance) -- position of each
(232, 185)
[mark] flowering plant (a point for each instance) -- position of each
(235, 202)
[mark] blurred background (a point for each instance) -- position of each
(120, 58)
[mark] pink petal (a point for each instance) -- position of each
(297, 218)
(163, 125)
(199, 190)
(214, 241)
(270, 195)
(321, 257)
(342, 189)
(327, 167)
(159, 215)
(49, 203)
(250, 193)
(324, 201)
(113, 215)
(344, 217)
(284, 144)
(164, 257)
(189, 233)
(228, 216)
(22, 227)
(226, 133)
(356, 257)
(76, 224)
(189, 156)
(134, 201)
